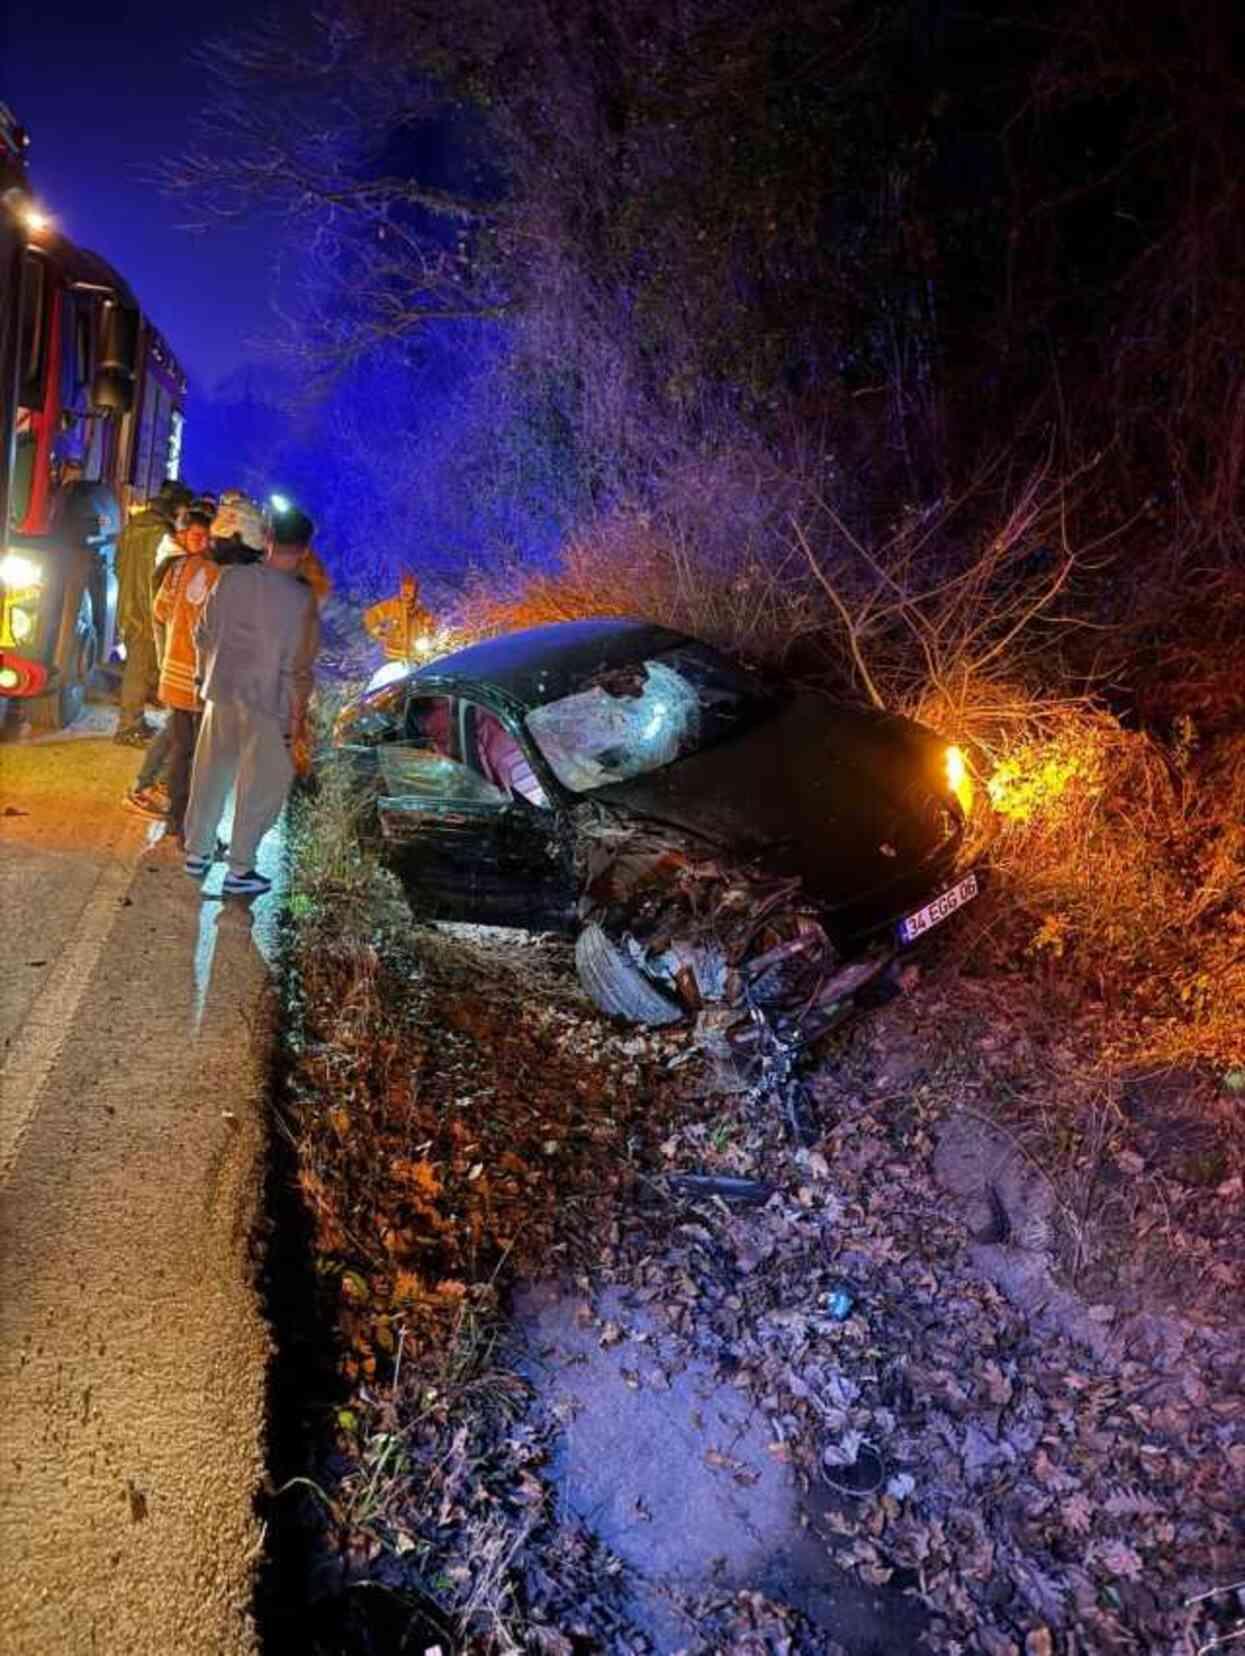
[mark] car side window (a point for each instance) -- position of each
(429, 724)
(419, 776)
(499, 758)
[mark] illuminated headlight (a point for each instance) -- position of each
(390, 673)
(18, 573)
(21, 624)
(959, 781)
(10, 678)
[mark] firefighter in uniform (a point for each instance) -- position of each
(402, 626)
(136, 568)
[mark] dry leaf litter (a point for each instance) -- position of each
(1008, 1386)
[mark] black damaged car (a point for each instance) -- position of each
(721, 849)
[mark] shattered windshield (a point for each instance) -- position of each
(624, 721)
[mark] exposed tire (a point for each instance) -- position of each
(617, 985)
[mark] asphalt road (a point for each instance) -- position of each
(132, 1349)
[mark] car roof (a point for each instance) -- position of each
(543, 663)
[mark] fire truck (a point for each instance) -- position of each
(91, 409)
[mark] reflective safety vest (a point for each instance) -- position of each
(397, 626)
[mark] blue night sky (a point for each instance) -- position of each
(105, 92)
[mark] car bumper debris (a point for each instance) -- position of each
(672, 932)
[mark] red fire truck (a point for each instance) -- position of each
(91, 411)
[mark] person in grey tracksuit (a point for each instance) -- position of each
(256, 643)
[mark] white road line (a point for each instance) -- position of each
(37, 1047)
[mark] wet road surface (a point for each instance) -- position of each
(132, 1351)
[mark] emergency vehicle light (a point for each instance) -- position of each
(19, 573)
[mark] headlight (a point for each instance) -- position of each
(21, 624)
(390, 673)
(18, 573)
(959, 781)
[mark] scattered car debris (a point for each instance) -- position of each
(720, 1184)
(1011, 1461)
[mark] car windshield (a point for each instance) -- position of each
(623, 721)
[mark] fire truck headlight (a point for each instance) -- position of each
(18, 573)
(21, 624)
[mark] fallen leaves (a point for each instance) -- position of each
(1028, 1485)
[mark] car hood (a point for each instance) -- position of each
(849, 799)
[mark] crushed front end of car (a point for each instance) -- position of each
(674, 929)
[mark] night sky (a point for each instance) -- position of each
(105, 92)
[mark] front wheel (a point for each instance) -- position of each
(616, 984)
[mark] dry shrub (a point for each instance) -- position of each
(637, 564)
(756, 556)
(1127, 862)
(328, 863)
(1089, 826)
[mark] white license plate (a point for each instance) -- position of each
(933, 914)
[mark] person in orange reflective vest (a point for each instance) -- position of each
(178, 606)
(402, 626)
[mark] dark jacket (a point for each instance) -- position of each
(136, 566)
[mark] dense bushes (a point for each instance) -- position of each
(880, 245)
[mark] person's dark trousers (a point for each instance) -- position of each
(185, 729)
(138, 680)
(156, 757)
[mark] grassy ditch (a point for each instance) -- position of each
(439, 1137)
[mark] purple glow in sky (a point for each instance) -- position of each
(106, 92)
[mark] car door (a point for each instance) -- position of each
(463, 847)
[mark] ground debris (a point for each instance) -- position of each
(902, 1297)
(730, 1189)
(672, 930)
